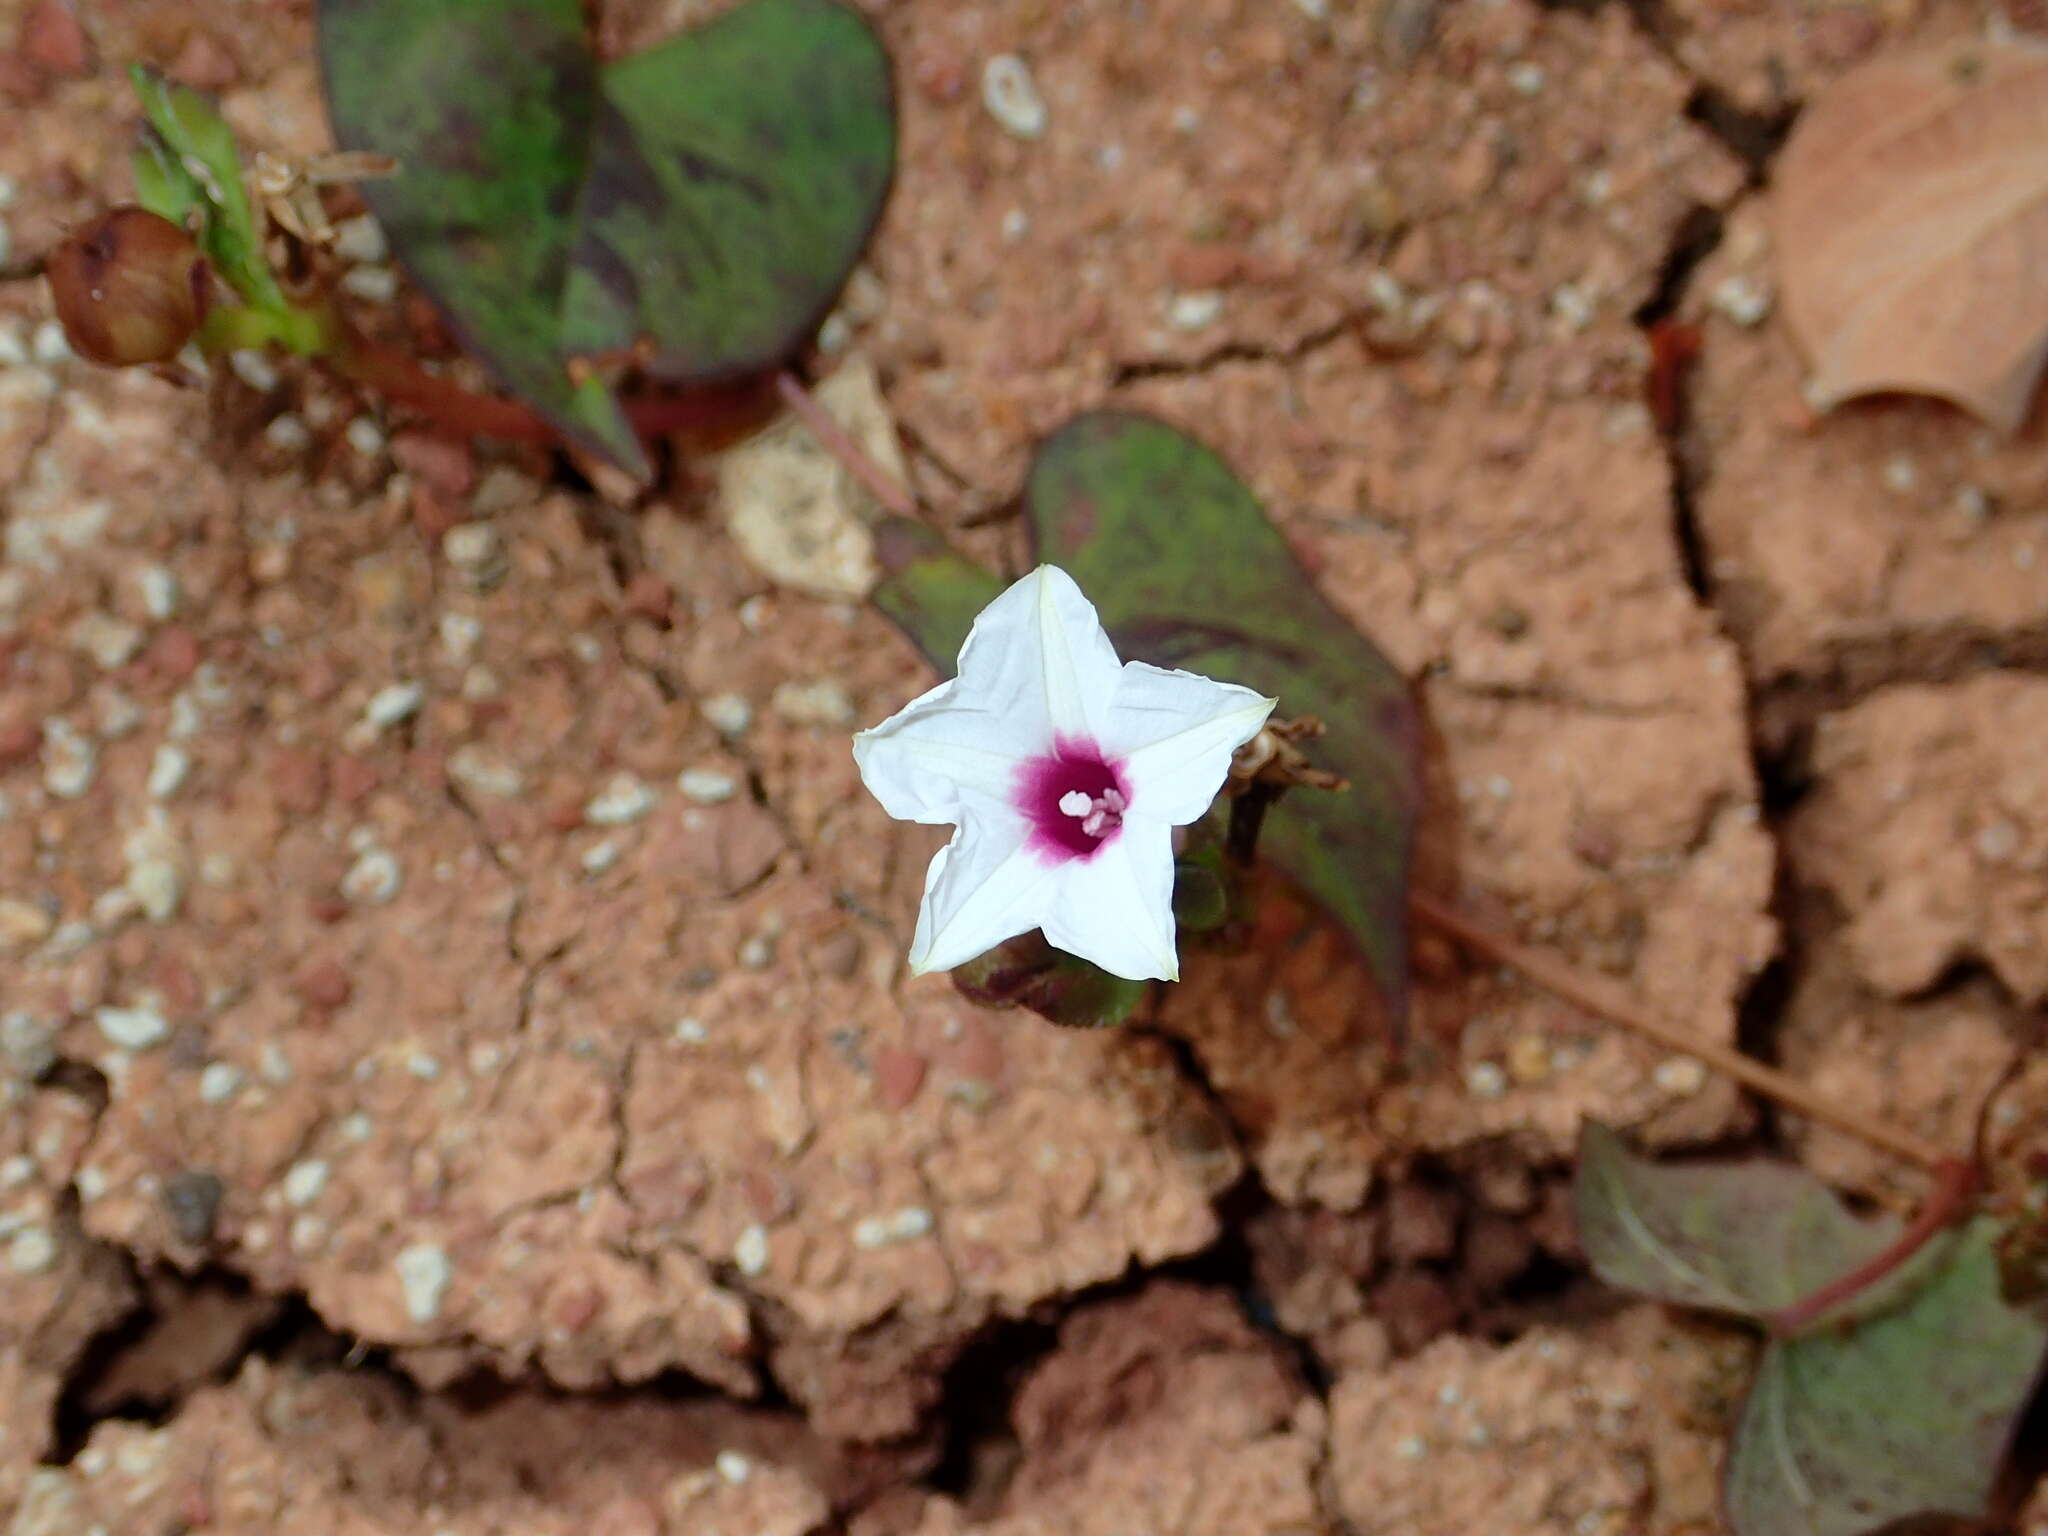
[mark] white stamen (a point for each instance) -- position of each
(1075, 802)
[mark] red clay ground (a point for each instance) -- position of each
(439, 916)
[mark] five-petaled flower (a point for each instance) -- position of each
(1065, 773)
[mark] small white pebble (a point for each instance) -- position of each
(623, 800)
(70, 761)
(304, 1181)
(821, 701)
(706, 786)
(1012, 98)
(168, 771)
(361, 239)
(1901, 474)
(355, 1127)
(393, 703)
(728, 713)
(482, 772)
(16, 1170)
(750, 1253)
(376, 285)
(423, 1275)
(912, 1221)
(1525, 78)
(32, 1251)
(757, 951)
(1997, 841)
(158, 886)
(586, 648)
(254, 370)
(734, 1467)
(1742, 299)
(460, 633)
(373, 879)
(691, 1031)
(109, 641)
(1485, 1080)
(1016, 225)
(422, 1066)
(288, 434)
(276, 1066)
(219, 1082)
(1195, 311)
(49, 346)
(365, 436)
(1411, 1448)
(600, 856)
(132, 1029)
(159, 589)
(1680, 1075)
(91, 1183)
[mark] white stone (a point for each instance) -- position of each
(734, 1467)
(821, 701)
(168, 771)
(728, 713)
(361, 239)
(132, 1029)
(750, 1253)
(254, 369)
(219, 1082)
(109, 641)
(393, 703)
(304, 1181)
(70, 761)
(707, 786)
(365, 436)
(1195, 311)
(373, 879)
(1012, 98)
(483, 772)
(423, 1275)
(623, 800)
(32, 1252)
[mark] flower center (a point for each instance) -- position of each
(1074, 798)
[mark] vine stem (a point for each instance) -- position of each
(1616, 1007)
(1954, 1183)
(1954, 1177)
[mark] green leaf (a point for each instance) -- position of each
(1027, 972)
(928, 591)
(1747, 1238)
(737, 173)
(195, 137)
(488, 107)
(1909, 1412)
(1187, 571)
(162, 184)
(702, 202)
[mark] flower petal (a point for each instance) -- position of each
(983, 887)
(1174, 732)
(1116, 909)
(1038, 659)
(936, 754)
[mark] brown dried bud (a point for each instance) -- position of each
(130, 288)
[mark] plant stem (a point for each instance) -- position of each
(880, 484)
(1954, 1182)
(1614, 1006)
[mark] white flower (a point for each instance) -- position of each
(1065, 772)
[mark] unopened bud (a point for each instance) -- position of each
(130, 288)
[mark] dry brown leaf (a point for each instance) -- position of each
(1912, 228)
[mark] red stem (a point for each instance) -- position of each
(1954, 1183)
(402, 381)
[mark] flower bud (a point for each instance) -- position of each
(130, 288)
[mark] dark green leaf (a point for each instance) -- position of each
(737, 172)
(928, 591)
(1904, 1413)
(1187, 571)
(1748, 1238)
(488, 107)
(1027, 972)
(194, 136)
(700, 203)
